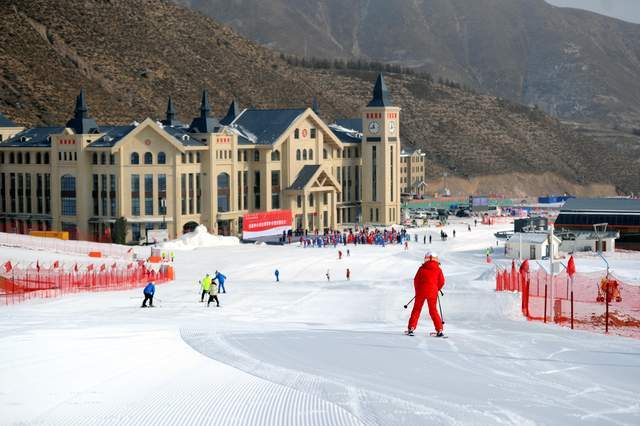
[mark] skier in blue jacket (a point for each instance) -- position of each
(148, 292)
(218, 276)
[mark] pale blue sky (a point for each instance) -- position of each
(627, 10)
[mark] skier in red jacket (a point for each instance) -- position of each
(428, 281)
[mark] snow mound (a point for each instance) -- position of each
(200, 237)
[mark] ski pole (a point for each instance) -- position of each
(409, 302)
(440, 306)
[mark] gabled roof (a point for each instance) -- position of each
(265, 126)
(381, 96)
(602, 205)
(114, 134)
(34, 137)
(5, 122)
(348, 130)
(305, 175)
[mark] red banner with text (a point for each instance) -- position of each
(255, 225)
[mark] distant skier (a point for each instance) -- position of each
(454, 233)
(424, 240)
(348, 253)
(172, 257)
(428, 281)
(406, 245)
(148, 292)
(348, 274)
(328, 276)
(277, 276)
(339, 254)
(213, 295)
(206, 285)
(220, 279)
(469, 227)
(429, 239)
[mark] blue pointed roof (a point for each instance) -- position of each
(381, 96)
(5, 122)
(205, 123)
(81, 123)
(170, 117)
(232, 113)
(265, 126)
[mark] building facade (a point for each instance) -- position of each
(81, 177)
(413, 172)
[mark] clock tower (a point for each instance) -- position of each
(380, 158)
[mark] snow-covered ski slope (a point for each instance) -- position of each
(310, 352)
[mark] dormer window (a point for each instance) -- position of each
(312, 133)
(296, 134)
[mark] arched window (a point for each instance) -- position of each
(162, 158)
(68, 195)
(298, 155)
(310, 154)
(275, 155)
(325, 155)
(148, 158)
(94, 158)
(103, 158)
(304, 154)
(223, 192)
(135, 158)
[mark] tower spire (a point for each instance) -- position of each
(204, 105)
(81, 123)
(204, 123)
(381, 96)
(170, 118)
(315, 106)
(232, 113)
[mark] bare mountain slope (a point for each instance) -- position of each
(574, 64)
(131, 54)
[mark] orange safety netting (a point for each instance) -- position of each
(21, 284)
(588, 301)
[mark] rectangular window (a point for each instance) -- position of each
(183, 192)
(256, 191)
(377, 216)
(112, 194)
(256, 155)
(245, 190)
(94, 195)
(299, 201)
(374, 174)
(3, 197)
(135, 197)
(349, 193)
(20, 192)
(312, 133)
(191, 193)
(135, 231)
(103, 195)
(27, 191)
(148, 195)
(183, 158)
(392, 181)
(357, 183)
(162, 194)
(239, 186)
(275, 189)
(198, 194)
(12, 191)
(47, 193)
(68, 195)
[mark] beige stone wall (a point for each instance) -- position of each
(331, 198)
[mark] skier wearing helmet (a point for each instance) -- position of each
(428, 281)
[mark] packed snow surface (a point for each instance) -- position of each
(199, 238)
(307, 351)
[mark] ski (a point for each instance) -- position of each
(408, 333)
(434, 334)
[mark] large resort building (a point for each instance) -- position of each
(81, 177)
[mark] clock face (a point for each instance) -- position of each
(392, 126)
(374, 127)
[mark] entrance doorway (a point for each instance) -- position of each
(189, 227)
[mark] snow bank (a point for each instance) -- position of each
(200, 237)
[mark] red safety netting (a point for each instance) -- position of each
(20, 284)
(587, 301)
